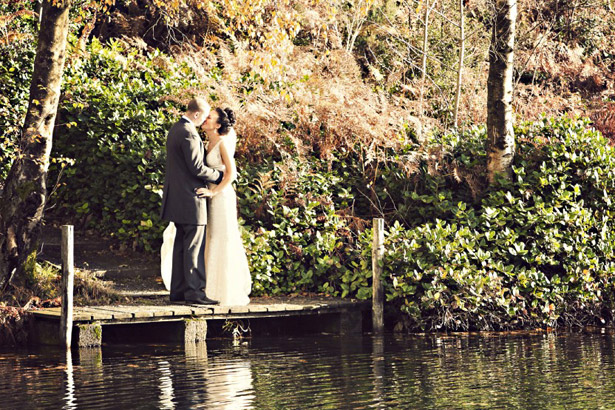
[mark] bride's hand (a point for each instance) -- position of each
(204, 192)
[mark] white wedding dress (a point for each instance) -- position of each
(226, 264)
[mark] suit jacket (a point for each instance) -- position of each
(185, 171)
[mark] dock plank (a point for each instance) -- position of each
(172, 312)
(94, 312)
(202, 311)
(51, 313)
(239, 309)
(115, 313)
(258, 308)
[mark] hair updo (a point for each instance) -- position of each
(226, 119)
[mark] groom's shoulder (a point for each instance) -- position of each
(180, 128)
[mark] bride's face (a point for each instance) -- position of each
(211, 123)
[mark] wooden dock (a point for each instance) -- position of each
(83, 326)
(190, 322)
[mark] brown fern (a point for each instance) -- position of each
(604, 121)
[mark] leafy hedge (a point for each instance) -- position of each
(116, 115)
(294, 238)
(532, 252)
(536, 251)
(16, 59)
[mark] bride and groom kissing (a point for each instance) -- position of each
(208, 263)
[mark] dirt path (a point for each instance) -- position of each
(127, 272)
(133, 274)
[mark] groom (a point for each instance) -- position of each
(185, 172)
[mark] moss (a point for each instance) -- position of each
(30, 266)
(90, 334)
(98, 332)
(25, 189)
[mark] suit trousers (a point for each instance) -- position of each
(188, 271)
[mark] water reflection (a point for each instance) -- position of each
(378, 369)
(222, 380)
(495, 371)
(166, 386)
(69, 396)
(226, 376)
(230, 384)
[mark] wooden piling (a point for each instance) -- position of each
(377, 288)
(68, 279)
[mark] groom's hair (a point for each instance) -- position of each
(198, 104)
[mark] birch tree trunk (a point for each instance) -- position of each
(500, 133)
(428, 8)
(461, 57)
(25, 191)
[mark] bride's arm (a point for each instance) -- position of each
(230, 172)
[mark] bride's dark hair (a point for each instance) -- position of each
(226, 119)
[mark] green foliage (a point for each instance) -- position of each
(115, 121)
(533, 252)
(16, 61)
(295, 240)
(415, 184)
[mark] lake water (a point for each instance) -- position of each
(458, 371)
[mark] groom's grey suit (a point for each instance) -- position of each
(185, 172)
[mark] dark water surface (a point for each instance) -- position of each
(493, 371)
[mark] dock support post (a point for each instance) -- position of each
(89, 334)
(195, 330)
(68, 279)
(377, 288)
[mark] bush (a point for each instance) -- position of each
(537, 251)
(16, 62)
(116, 115)
(295, 239)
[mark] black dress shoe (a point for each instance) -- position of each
(204, 301)
(177, 300)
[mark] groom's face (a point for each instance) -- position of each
(200, 117)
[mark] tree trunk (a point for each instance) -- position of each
(500, 133)
(25, 191)
(428, 9)
(462, 36)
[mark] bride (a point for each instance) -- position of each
(226, 264)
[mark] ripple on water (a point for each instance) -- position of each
(495, 371)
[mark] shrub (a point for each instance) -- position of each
(295, 239)
(117, 115)
(536, 251)
(16, 61)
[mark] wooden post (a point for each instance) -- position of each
(377, 288)
(68, 279)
